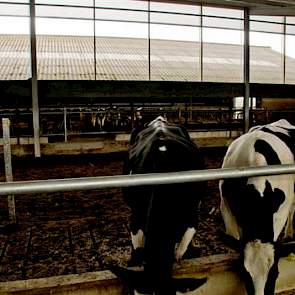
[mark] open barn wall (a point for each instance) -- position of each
(16, 94)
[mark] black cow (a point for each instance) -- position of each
(256, 209)
(164, 217)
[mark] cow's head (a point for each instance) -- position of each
(258, 263)
(260, 267)
(254, 211)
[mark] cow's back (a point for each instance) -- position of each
(158, 150)
(242, 199)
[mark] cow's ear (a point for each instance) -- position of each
(285, 249)
(278, 198)
(274, 198)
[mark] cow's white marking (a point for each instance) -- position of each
(138, 239)
(163, 148)
(182, 246)
(259, 258)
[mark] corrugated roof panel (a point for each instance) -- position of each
(68, 57)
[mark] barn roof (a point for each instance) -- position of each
(72, 58)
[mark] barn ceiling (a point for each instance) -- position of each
(258, 7)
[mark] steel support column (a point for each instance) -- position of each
(34, 81)
(201, 46)
(149, 40)
(284, 50)
(94, 39)
(246, 71)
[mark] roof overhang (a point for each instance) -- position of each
(256, 7)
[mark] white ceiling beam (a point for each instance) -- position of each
(262, 7)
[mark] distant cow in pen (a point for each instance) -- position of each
(163, 217)
(256, 209)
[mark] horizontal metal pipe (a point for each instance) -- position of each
(88, 183)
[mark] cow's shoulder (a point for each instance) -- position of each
(282, 123)
(268, 144)
(145, 136)
(283, 134)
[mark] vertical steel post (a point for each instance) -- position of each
(191, 109)
(202, 46)
(149, 39)
(186, 114)
(34, 81)
(246, 70)
(284, 49)
(132, 115)
(65, 125)
(94, 39)
(8, 167)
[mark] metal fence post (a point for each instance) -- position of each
(34, 82)
(246, 70)
(8, 167)
(65, 125)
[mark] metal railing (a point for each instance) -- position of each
(67, 122)
(119, 181)
(64, 123)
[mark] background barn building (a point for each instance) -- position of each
(73, 59)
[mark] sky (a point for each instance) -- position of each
(20, 25)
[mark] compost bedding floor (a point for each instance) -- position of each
(80, 231)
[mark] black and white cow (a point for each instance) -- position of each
(256, 209)
(163, 217)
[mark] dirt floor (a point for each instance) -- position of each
(76, 232)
